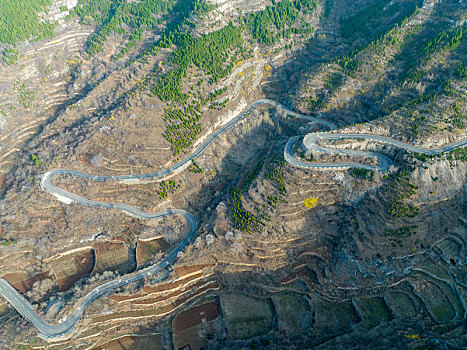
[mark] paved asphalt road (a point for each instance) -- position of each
(310, 141)
(50, 331)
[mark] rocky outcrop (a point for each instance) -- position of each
(439, 181)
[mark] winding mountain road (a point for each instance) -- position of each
(310, 141)
(61, 329)
(24, 307)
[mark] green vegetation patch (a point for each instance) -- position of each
(399, 190)
(114, 16)
(327, 8)
(26, 95)
(293, 313)
(373, 310)
(459, 154)
(214, 53)
(358, 22)
(277, 20)
(246, 317)
(366, 62)
(401, 304)
(195, 168)
(364, 174)
(248, 222)
(19, 21)
(166, 187)
(10, 56)
(397, 236)
(264, 22)
(183, 127)
(423, 157)
(432, 39)
(242, 219)
(367, 21)
(209, 52)
(392, 38)
(460, 72)
(35, 160)
(7, 242)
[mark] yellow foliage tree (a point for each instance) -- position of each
(413, 336)
(310, 202)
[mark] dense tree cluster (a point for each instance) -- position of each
(279, 17)
(249, 222)
(166, 187)
(334, 82)
(437, 39)
(306, 5)
(459, 154)
(183, 127)
(242, 219)
(360, 173)
(19, 21)
(358, 22)
(178, 20)
(461, 71)
(169, 87)
(351, 62)
(10, 56)
(276, 174)
(195, 168)
(209, 52)
(264, 23)
(112, 15)
(327, 8)
(399, 190)
(457, 118)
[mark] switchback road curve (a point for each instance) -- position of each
(50, 331)
(310, 141)
(61, 329)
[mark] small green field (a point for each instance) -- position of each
(373, 310)
(246, 317)
(293, 312)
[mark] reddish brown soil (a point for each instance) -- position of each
(22, 281)
(160, 310)
(126, 297)
(185, 270)
(165, 297)
(156, 289)
(194, 316)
